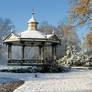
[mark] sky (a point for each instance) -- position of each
(20, 11)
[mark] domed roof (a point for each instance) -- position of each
(32, 34)
(32, 19)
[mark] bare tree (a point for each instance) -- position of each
(65, 32)
(68, 34)
(5, 26)
(46, 27)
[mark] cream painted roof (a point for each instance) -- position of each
(32, 34)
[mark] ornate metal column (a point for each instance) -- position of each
(43, 58)
(40, 52)
(9, 52)
(53, 53)
(23, 48)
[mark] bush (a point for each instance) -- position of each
(78, 63)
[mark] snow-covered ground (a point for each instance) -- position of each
(79, 81)
(2, 67)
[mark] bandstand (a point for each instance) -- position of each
(32, 38)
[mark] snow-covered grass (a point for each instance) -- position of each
(2, 67)
(79, 81)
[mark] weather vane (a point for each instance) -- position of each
(33, 12)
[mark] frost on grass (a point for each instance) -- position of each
(76, 81)
(63, 82)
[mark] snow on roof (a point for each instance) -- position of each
(32, 34)
(49, 35)
(32, 20)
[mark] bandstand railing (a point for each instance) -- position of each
(28, 62)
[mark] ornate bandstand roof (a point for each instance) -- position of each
(31, 35)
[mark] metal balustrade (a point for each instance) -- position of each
(28, 62)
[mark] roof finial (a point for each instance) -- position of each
(33, 13)
(33, 18)
(33, 22)
(11, 30)
(53, 32)
(45, 35)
